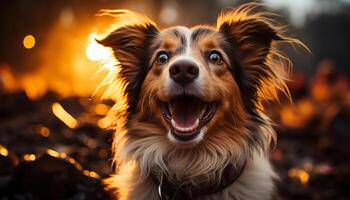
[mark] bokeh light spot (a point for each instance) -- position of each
(29, 41)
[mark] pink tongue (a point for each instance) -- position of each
(186, 111)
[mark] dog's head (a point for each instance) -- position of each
(187, 85)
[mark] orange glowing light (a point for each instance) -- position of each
(29, 41)
(104, 123)
(91, 174)
(29, 157)
(298, 114)
(64, 116)
(3, 151)
(53, 153)
(8, 82)
(95, 51)
(42, 130)
(75, 163)
(300, 174)
(303, 177)
(101, 109)
(63, 155)
(34, 86)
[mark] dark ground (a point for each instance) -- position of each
(41, 158)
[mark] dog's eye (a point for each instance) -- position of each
(215, 57)
(163, 57)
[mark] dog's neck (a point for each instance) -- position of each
(168, 189)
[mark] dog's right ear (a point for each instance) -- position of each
(130, 41)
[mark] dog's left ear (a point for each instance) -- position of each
(130, 41)
(251, 39)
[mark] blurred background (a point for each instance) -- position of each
(53, 138)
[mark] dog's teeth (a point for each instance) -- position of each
(204, 109)
(173, 123)
(187, 129)
(170, 107)
(195, 125)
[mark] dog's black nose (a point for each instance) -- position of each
(183, 72)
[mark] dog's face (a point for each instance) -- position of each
(192, 84)
(190, 73)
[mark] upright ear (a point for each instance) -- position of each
(130, 42)
(251, 42)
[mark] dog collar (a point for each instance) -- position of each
(171, 191)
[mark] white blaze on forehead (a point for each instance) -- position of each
(196, 88)
(186, 32)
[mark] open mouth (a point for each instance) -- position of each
(186, 115)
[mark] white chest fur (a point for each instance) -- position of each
(256, 182)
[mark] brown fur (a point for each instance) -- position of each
(252, 71)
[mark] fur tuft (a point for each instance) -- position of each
(255, 37)
(130, 41)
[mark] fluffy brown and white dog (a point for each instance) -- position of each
(189, 121)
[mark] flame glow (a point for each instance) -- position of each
(69, 58)
(64, 116)
(95, 51)
(67, 62)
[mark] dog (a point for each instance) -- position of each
(189, 119)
